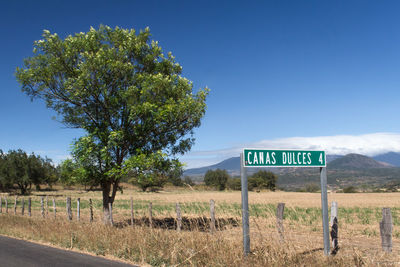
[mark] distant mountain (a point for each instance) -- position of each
(347, 162)
(351, 169)
(231, 165)
(330, 158)
(356, 161)
(392, 158)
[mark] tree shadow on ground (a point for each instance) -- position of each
(201, 224)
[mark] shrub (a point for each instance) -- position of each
(312, 188)
(217, 178)
(234, 184)
(263, 180)
(349, 189)
(187, 180)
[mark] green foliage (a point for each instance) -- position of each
(128, 96)
(260, 180)
(349, 189)
(234, 184)
(263, 180)
(5, 183)
(175, 173)
(311, 187)
(217, 178)
(71, 174)
(66, 170)
(41, 171)
(187, 180)
(176, 181)
(151, 171)
(17, 168)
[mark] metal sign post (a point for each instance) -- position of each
(245, 207)
(283, 158)
(324, 204)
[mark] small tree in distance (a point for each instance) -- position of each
(188, 181)
(217, 178)
(234, 184)
(18, 168)
(263, 180)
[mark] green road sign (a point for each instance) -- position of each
(283, 158)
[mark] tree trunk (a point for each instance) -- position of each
(23, 187)
(107, 188)
(106, 200)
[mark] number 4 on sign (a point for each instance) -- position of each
(320, 159)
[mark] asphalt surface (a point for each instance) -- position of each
(16, 253)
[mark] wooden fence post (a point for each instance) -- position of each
(212, 215)
(151, 214)
(132, 211)
(78, 209)
(386, 228)
(91, 209)
(178, 218)
(6, 205)
(42, 205)
(23, 206)
(334, 227)
(69, 209)
(15, 206)
(29, 207)
(279, 220)
(111, 214)
(47, 206)
(54, 208)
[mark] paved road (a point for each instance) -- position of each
(16, 253)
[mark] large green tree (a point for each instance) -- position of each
(119, 87)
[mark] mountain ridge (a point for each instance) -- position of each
(356, 161)
(349, 161)
(393, 158)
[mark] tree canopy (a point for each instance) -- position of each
(121, 88)
(18, 168)
(217, 178)
(263, 180)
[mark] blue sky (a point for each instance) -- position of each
(289, 73)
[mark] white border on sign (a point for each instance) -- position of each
(284, 166)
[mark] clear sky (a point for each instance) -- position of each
(282, 73)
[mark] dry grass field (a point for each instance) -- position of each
(162, 245)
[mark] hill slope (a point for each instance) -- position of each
(231, 165)
(392, 158)
(355, 161)
(352, 169)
